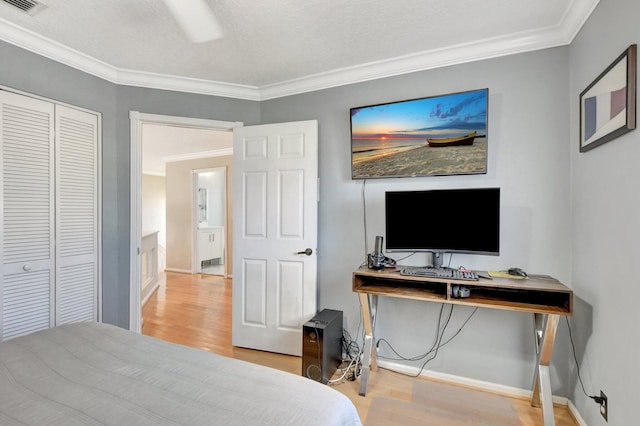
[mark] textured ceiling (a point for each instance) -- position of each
(270, 42)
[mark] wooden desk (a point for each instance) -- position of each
(545, 297)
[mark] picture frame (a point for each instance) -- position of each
(608, 104)
(430, 136)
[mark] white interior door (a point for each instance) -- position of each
(275, 195)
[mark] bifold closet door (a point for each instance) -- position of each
(76, 174)
(26, 214)
(48, 215)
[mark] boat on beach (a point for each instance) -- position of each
(457, 141)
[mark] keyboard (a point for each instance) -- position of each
(439, 273)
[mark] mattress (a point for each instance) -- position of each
(98, 374)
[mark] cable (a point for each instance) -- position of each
(406, 257)
(353, 354)
(346, 371)
(417, 357)
(434, 347)
(438, 346)
(364, 214)
(461, 327)
(596, 398)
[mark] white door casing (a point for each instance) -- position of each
(275, 193)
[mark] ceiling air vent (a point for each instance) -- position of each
(29, 6)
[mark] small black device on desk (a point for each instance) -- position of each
(460, 292)
(517, 272)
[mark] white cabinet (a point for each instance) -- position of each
(205, 244)
(211, 244)
(49, 193)
(217, 241)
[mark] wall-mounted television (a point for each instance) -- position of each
(438, 135)
(443, 221)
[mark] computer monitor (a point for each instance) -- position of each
(443, 221)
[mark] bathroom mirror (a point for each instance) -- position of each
(202, 204)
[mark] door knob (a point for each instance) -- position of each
(26, 268)
(308, 252)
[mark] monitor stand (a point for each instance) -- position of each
(437, 258)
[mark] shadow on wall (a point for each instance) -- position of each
(582, 315)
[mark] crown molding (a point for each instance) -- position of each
(197, 155)
(437, 58)
(58, 52)
(559, 35)
(188, 85)
(575, 17)
(150, 172)
(55, 51)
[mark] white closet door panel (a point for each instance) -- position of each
(76, 298)
(26, 214)
(77, 215)
(26, 303)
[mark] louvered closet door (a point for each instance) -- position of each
(27, 213)
(76, 216)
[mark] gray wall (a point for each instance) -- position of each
(606, 232)
(528, 158)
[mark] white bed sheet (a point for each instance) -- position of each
(98, 374)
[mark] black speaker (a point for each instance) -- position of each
(322, 345)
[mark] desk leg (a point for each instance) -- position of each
(373, 307)
(368, 354)
(545, 334)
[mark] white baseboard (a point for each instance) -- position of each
(182, 271)
(472, 383)
(576, 414)
(148, 296)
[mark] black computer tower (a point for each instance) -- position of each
(322, 345)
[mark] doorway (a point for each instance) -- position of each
(210, 230)
(138, 120)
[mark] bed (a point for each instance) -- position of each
(98, 374)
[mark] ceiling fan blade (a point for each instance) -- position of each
(196, 19)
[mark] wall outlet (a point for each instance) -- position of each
(604, 406)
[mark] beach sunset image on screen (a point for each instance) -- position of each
(439, 135)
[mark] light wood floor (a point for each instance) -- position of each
(195, 310)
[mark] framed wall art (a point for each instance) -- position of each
(608, 105)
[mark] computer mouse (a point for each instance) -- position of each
(517, 272)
